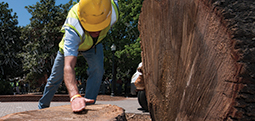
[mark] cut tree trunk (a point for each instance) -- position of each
(199, 59)
(64, 113)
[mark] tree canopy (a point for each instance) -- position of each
(42, 36)
(10, 64)
(37, 43)
(125, 35)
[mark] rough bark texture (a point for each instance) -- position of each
(199, 59)
(64, 113)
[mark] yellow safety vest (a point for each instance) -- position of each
(87, 42)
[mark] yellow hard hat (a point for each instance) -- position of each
(94, 15)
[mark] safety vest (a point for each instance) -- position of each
(87, 42)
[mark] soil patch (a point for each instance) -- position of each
(109, 98)
(138, 117)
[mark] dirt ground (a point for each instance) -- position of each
(137, 117)
(109, 98)
(129, 116)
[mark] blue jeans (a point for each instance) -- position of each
(95, 71)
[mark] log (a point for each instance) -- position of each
(64, 113)
(199, 59)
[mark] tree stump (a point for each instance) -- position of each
(199, 59)
(64, 113)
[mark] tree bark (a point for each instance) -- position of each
(199, 59)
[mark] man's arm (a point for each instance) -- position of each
(78, 103)
(69, 75)
(71, 46)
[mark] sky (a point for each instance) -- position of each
(18, 6)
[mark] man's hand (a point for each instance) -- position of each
(78, 104)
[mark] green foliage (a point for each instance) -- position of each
(42, 35)
(81, 68)
(125, 35)
(10, 64)
(129, 57)
(5, 88)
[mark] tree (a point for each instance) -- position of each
(125, 35)
(42, 36)
(128, 59)
(10, 63)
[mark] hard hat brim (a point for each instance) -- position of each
(96, 27)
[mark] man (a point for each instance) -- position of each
(86, 25)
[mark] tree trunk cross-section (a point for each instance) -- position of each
(64, 113)
(199, 59)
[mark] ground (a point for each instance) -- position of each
(129, 116)
(65, 97)
(137, 117)
(109, 98)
